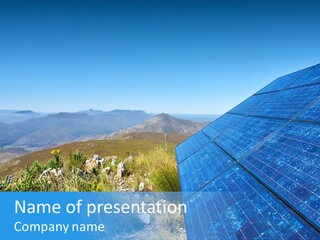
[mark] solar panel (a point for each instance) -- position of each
(288, 103)
(252, 103)
(199, 168)
(283, 82)
(244, 136)
(219, 125)
(312, 113)
(289, 163)
(310, 77)
(235, 206)
(195, 142)
(254, 173)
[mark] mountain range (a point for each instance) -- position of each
(55, 129)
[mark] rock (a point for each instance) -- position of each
(141, 186)
(145, 218)
(121, 169)
(96, 157)
(59, 172)
(90, 164)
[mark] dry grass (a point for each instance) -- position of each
(135, 144)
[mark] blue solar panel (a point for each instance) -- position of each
(191, 145)
(252, 103)
(289, 163)
(289, 102)
(219, 125)
(312, 113)
(310, 77)
(202, 166)
(244, 136)
(258, 177)
(235, 206)
(283, 82)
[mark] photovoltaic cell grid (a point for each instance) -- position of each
(201, 167)
(264, 153)
(288, 103)
(252, 103)
(294, 150)
(283, 82)
(235, 206)
(219, 125)
(194, 143)
(312, 113)
(244, 136)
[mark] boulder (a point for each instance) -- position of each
(141, 186)
(121, 169)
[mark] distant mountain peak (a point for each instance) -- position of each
(165, 123)
(25, 112)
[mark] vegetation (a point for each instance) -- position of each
(155, 170)
(135, 143)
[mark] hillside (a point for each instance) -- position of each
(163, 123)
(133, 143)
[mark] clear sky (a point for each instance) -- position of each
(159, 56)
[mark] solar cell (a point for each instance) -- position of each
(191, 145)
(312, 113)
(235, 206)
(283, 82)
(289, 163)
(244, 136)
(252, 103)
(219, 125)
(202, 166)
(289, 102)
(310, 77)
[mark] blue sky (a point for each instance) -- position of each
(201, 57)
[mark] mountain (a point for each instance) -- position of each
(92, 112)
(165, 123)
(25, 112)
(15, 116)
(60, 128)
